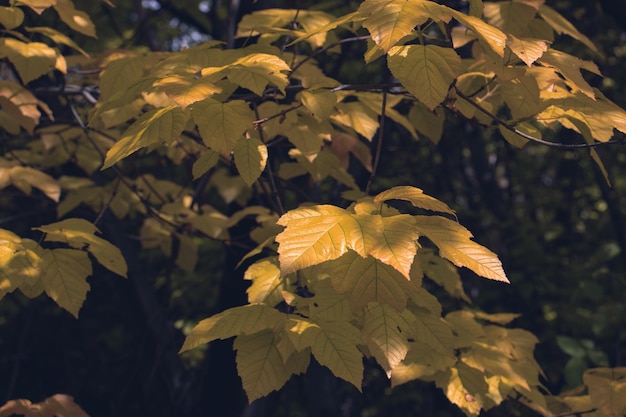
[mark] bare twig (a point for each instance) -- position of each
(257, 123)
(379, 143)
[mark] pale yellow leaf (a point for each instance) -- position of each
(267, 282)
(562, 25)
(31, 60)
(385, 333)
(464, 386)
(416, 197)
(489, 35)
(607, 388)
(38, 6)
(527, 49)
(453, 241)
(244, 320)
(155, 127)
(443, 273)
(328, 303)
(333, 24)
(250, 159)
(186, 89)
(357, 116)
(333, 344)
(77, 20)
(569, 67)
(80, 234)
(365, 280)
(396, 243)
(57, 37)
(11, 17)
(426, 71)
(25, 178)
(421, 362)
(259, 364)
(65, 279)
(221, 125)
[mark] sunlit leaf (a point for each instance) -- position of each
(250, 159)
(607, 387)
(489, 35)
(25, 178)
(527, 49)
(80, 234)
(464, 386)
(244, 320)
(186, 90)
(385, 333)
(155, 127)
(38, 6)
(416, 197)
(426, 71)
(57, 37)
(453, 241)
(320, 103)
(31, 60)
(267, 282)
(357, 116)
(221, 125)
(569, 67)
(513, 17)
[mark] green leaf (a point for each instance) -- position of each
(366, 280)
(187, 89)
(259, 364)
(607, 387)
(11, 17)
(521, 96)
(65, 279)
(427, 122)
(416, 197)
(77, 20)
(79, 233)
(244, 320)
(221, 125)
(250, 159)
(333, 344)
(562, 25)
(202, 165)
(426, 71)
(385, 333)
(31, 60)
(267, 283)
(453, 241)
(155, 127)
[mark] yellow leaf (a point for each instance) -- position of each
(31, 60)
(333, 344)
(489, 35)
(250, 159)
(11, 17)
(453, 241)
(527, 49)
(421, 362)
(79, 233)
(333, 24)
(21, 105)
(390, 21)
(607, 388)
(244, 320)
(327, 303)
(57, 37)
(385, 333)
(25, 178)
(357, 116)
(416, 197)
(569, 67)
(517, 140)
(65, 279)
(155, 127)
(77, 20)
(466, 328)
(38, 6)
(562, 25)
(121, 81)
(221, 125)
(186, 89)
(260, 364)
(202, 165)
(476, 8)
(513, 17)
(267, 282)
(366, 280)
(320, 103)
(521, 96)
(464, 386)
(426, 71)
(396, 243)
(443, 273)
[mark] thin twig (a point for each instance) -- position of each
(531, 138)
(268, 168)
(326, 48)
(108, 204)
(257, 123)
(379, 143)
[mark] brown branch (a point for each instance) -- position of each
(257, 123)
(326, 48)
(531, 138)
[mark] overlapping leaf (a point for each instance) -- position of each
(453, 241)
(416, 197)
(31, 60)
(155, 127)
(65, 277)
(221, 125)
(425, 70)
(385, 332)
(250, 159)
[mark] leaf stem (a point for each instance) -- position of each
(379, 143)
